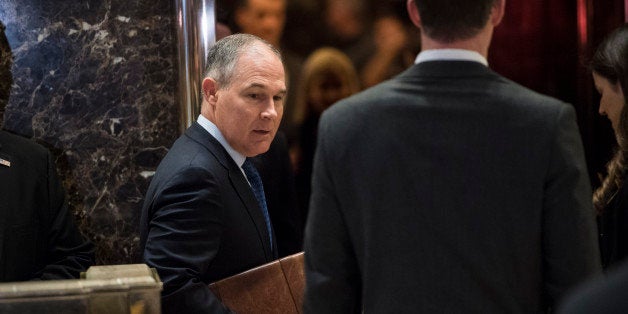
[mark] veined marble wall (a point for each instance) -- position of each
(95, 81)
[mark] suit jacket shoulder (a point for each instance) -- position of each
(28, 152)
(38, 236)
(449, 145)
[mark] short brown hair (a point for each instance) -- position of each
(451, 20)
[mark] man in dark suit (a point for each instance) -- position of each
(275, 169)
(276, 172)
(204, 217)
(38, 237)
(448, 188)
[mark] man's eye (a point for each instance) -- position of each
(254, 96)
(278, 98)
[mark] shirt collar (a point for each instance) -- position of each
(450, 54)
(215, 132)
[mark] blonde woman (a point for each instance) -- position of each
(327, 76)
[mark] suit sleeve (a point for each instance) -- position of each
(184, 238)
(68, 253)
(570, 248)
(333, 283)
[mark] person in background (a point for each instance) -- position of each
(328, 76)
(448, 188)
(378, 49)
(205, 216)
(262, 18)
(609, 67)
(607, 294)
(39, 239)
(346, 26)
(390, 41)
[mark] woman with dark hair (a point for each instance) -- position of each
(609, 67)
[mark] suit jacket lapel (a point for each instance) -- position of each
(238, 182)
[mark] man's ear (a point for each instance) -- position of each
(210, 88)
(413, 13)
(497, 12)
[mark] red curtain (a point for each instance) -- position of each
(545, 45)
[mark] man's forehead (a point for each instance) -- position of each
(257, 63)
(277, 86)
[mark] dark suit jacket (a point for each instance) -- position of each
(38, 237)
(281, 198)
(448, 189)
(604, 295)
(200, 223)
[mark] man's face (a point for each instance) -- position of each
(249, 110)
(263, 18)
(343, 18)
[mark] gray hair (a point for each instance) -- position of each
(224, 54)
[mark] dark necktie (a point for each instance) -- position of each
(258, 190)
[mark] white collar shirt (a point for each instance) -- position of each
(215, 132)
(450, 55)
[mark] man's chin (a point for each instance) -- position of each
(259, 149)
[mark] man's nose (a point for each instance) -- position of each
(270, 112)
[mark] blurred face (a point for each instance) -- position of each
(342, 17)
(612, 101)
(325, 90)
(249, 110)
(263, 18)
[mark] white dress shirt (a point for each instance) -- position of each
(450, 54)
(215, 132)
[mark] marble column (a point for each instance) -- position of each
(96, 82)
